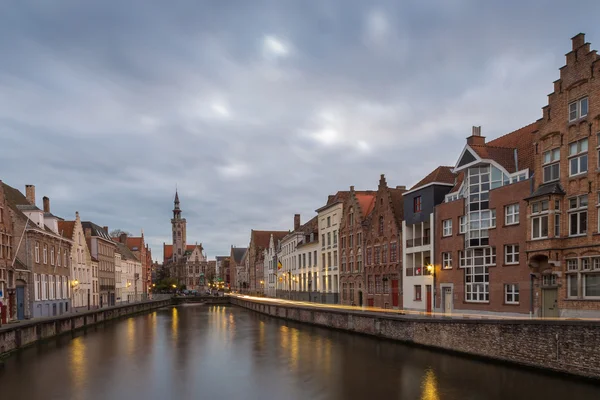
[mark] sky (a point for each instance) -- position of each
(257, 110)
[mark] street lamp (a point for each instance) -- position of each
(431, 270)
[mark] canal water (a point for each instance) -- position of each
(214, 352)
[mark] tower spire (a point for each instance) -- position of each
(176, 209)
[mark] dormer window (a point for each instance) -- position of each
(578, 109)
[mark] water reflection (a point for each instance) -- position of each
(225, 352)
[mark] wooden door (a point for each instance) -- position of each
(550, 301)
(428, 300)
(395, 296)
(447, 300)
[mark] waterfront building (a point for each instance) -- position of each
(357, 207)
(82, 280)
(307, 248)
(40, 277)
(259, 240)
(383, 246)
(286, 255)
(480, 229)
(102, 249)
(242, 273)
(142, 252)
(417, 244)
(7, 271)
(127, 272)
(235, 263)
(562, 214)
(269, 284)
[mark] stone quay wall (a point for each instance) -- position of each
(563, 346)
(18, 335)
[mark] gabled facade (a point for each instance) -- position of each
(7, 271)
(356, 209)
(563, 224)
(480, 229)
(84, 283)
(259, 240)
(269, 283)
(307, 247)
(102, 249)
(383, 245)
(235, 262)
(417, 244)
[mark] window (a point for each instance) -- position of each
(329, 259)
(591, 285)
(578, 215)
(335, 258)
(37, 252)
(352, 292)
(384, 253)
(476, 263)
(548, 280)
(370, 285)
(381, 225)
(572, 289)
(328, 238)
(386, 285)
(578, 109)
(417, 292)
(511, 214)
(52, 255)
(551, 165)
(359, 238)
(344, 292)
(38, 287)
(446, 260)
(511, 293)
(463, 224)
(45, 254)
(378, 284)
(323, 240)
(393, 252)
(328, 222)
(539, 219)
(578, 158)
(335, 237)
(377, 255)
(511, 254)
(447, 227)
(351, 217)
(351, 240)
(417, 204)
(369, 256)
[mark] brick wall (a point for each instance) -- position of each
(562, 346)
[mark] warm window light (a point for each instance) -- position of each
(429, 267)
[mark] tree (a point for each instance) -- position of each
(115, 233)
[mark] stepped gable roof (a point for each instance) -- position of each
(262, 238)
(66, 228)
(238, 253)
(441, 174)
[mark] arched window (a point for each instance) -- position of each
(381, 225)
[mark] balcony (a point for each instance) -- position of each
(420, 241)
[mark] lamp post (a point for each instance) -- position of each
(74, 284)
(431, 269)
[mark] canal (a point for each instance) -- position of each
(212, 352)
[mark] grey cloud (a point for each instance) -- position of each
(105, 106)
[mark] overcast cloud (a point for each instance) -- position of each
(259, 109)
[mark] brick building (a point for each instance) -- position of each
(259, 241)
(235, 263)
(383, 245)
(7, 271)
(563, 226)
(417, 246)
(102, 249)
(137, 245)
(480, 229)
(357, 207)
(41, 271)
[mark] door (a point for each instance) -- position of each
(360, 298)
(550, 299)
(428, 300)
(447, 300)
(20, 302)
(370, 302)
(395, 293)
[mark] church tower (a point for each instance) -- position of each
(179, 234)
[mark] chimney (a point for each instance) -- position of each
(46, 201)
(88, 233)
(578, 40)
(105, 228)
(352, 188)
(476, 138)
(403, 187)
(123, 238)
(30, 194)
(296, 221)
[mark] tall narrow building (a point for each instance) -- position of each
(179, 231)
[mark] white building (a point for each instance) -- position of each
(270, 269)
(307, 249)
(128, 270)
(328, 259)
(119, 284)
(287, 281)
(82, 279)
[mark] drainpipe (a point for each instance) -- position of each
(531, 279)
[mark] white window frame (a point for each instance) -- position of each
(575, 109)
(580, 207)
(45, 254)
(584, 277)
(447, 227)
(578, 152)
(539, 213)
(550, 159)
(511, 290)
(37, 252)
(446, 260)
(463, 221)
(511, 254)
(36, 280)
(511, 214)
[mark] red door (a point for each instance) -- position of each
(428, 298)
(395, 292)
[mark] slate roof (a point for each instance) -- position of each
(96, 230)
(17, 200)
(125, 252)
(548, 189)
(262, 238)
(441, 174)
(238, 253)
